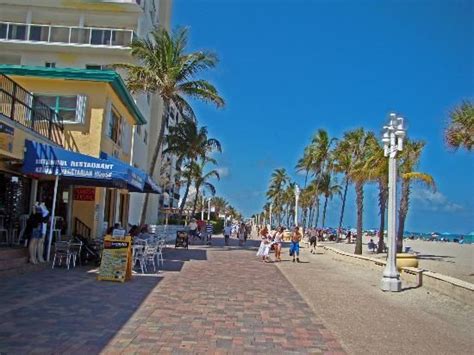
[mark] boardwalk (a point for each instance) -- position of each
(209, 300)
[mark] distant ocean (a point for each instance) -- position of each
(468, 238)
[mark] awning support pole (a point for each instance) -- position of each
(53, 210)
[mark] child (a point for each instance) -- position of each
(264, 248)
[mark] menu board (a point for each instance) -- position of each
(116, 263)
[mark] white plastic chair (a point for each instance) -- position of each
(139, 256)
(75, 251)
(150, 255)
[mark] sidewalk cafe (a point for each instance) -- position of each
(71, 169)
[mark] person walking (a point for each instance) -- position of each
(278, 243)
(295, 244)
(227, 233)
(209, 232)
(265, 244)
(242, 231)
(313, 240)
(193, 229)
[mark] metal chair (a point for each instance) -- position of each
(58, 222)
(75, 251)
(139, 255)
(61, 251)
(16, 237)
(3, 231)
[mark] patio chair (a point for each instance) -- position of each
(57, 228)
(61, 251)
(139, 256)
(17, 238)
(75, 250)
(159, 253)
(150, 255)
(3, 231)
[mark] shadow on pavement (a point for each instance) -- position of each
(55, 311)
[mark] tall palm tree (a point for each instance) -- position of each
(164, 67)
(328, 190)
(190, 143)
(276, 190)
(306, 162)
(409, 160)
(460, 130)
(201, 181)
(289, 201)
(342, 163)
(359, 140)
(377, 168)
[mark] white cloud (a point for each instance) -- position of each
(223, 171)
(434, 201)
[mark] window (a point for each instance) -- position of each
(72, 109)
(50, 65)
(113, 127)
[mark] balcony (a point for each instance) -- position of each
(97, 37)
(21, 106)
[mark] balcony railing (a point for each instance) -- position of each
(21, 106)
(66, 35)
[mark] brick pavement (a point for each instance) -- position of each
(212, 300)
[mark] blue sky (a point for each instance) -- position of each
(290, 67)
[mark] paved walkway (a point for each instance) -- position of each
(348, 299)
(209, 300)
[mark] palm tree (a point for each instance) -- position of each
(220, 204)
(460, 130)
(276, 190)
(359, 141)
(342, 163)
(409, 160)
(166, 69)
(201, 181)
(289, 201)
(190, 143)
(328, 190)
(305, 163)
(377, 168)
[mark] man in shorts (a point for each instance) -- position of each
(295, 244)
(313, 240)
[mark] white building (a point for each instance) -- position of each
(91, 35)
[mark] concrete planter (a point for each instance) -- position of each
(406, 260)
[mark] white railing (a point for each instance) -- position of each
(69, 35)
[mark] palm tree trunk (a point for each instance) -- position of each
(185, 197)
(154, 158)
(360, 210)
(383, 191)
(324, 210)
(404, 202)
(344, 196)
(310, 218)
(195, 201)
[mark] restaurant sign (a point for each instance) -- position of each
(84, 194)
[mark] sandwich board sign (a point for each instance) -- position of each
(116, 263)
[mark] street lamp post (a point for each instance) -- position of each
(209, 209)
(393, 136)
(270, 217)
(297, 198)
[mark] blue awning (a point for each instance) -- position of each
(148, 185)
(77, 168)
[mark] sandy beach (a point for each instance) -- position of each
(450, 259)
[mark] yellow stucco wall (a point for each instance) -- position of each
(87, 138)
